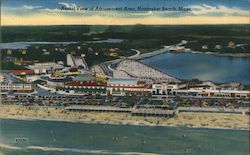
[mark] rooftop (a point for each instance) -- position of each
(123, 81)
(84, 77)
(78, 83)
(22, 72)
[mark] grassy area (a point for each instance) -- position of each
(10, 66)
(44, 33)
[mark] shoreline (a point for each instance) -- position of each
(184, 119)
(166, 50)
(238, 55)
(121, 124)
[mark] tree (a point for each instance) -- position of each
(130, 100)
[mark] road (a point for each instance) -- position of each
(139, 56)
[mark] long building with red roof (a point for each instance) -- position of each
(23, 72)
(127, 86)
(83, 88)
(116, 87)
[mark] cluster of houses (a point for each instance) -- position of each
(88, 84)
(230, 44)
(7, 86)
(78, 80)
(205, 89)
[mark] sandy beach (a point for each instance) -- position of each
(187, 119)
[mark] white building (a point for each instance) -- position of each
(43, 68)
(127, 86)
(166, 88)
(2, 78)
(243, 94)
(17, 87)
(206, 89)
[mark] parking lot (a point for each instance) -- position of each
(121, 102)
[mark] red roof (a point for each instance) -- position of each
(148, 91)
(78, 83)
(73, 69)
(22, 72)
(145, 86)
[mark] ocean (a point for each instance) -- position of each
(20, 137)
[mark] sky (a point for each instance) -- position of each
(49, 12)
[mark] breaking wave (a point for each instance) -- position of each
(74, 150)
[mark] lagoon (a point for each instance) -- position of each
(203, 66)
(25, 45)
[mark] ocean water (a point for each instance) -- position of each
(62, 138)
(203, 67)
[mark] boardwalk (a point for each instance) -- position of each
(153, 112)
(99, 109)
(133, 111)
(156, 112)
(214, 110)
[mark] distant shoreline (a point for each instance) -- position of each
(165, 50)
(239, 55)
(188, 119)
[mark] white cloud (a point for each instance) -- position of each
(146, 13)
(30, 7)
(68, 5)
(218, 9)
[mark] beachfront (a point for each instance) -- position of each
(187, 119)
